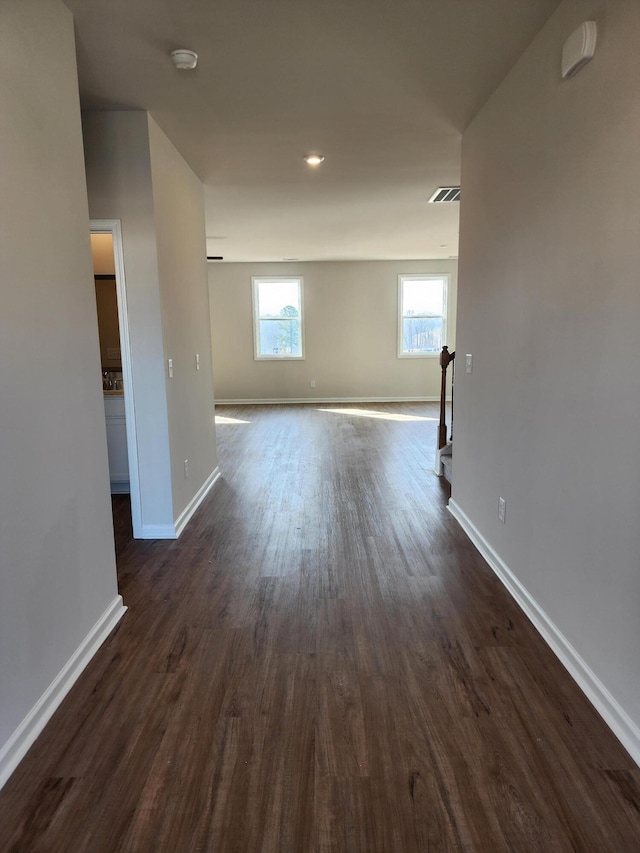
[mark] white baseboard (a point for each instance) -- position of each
(614, 715)
(185, 516)
(120, 487)
(23, 737)
(157, 531)
(279, 401)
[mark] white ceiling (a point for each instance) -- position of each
(383, 88)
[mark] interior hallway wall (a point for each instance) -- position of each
(135, 174)
(549, 306)
(178, 202)
(57, 562)
(118, 164)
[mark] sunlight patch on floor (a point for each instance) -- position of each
(223, 419)
(385, 416)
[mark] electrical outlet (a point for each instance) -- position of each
(186, 468)
(170, 366)
(313, 383)
(197, 362)
(502, 509)
(468, 363)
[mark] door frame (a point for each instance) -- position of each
(113, 227)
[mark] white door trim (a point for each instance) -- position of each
(113, 227)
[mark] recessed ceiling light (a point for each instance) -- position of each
(314, 159)
(185, 60)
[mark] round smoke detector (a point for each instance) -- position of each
(185, 60)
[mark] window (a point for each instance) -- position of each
(277, 317)
(422, 315)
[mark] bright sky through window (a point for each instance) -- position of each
(420, 299)
(276, 295)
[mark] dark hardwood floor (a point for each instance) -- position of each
(322, 662)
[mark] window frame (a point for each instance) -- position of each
(255, 290)
(444, 277)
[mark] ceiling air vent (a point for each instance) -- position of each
(443, 194)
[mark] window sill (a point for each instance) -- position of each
(278, 358)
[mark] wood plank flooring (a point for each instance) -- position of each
(322, 662)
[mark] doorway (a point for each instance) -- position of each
(115, 353)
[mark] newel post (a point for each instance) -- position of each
(446, 358)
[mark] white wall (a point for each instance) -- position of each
(180, 233)
(351, 333)
(549, 305)
(57, 563)
(118, 164)
(136, 175)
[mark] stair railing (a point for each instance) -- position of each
(446, 358)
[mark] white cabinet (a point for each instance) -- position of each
(117, 443)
